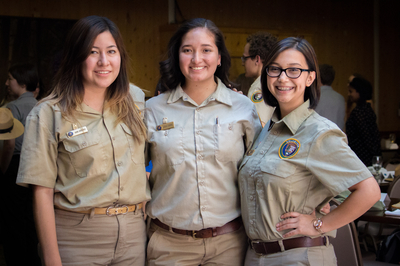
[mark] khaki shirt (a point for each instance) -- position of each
(255, 94)
(95, 169)
(296, 166)
(195, 163)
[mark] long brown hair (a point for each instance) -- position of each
(68, 89)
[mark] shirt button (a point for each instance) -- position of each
(275, 132)
(84, 144)
(122, 189)
(251, 197)
(262, 152)
(230, 127)
(113, 138)
(203, 208)
(197, 132)
(166, 133)
(201, 183)
(200, 156)
(212, 99)
(119, 163)
(251, 222)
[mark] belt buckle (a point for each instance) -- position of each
(252, 246)
(116, 207)
(194, 234)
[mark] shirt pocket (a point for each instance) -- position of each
(136, 148)
(280, 168)
(86, 154)
(229, 144)
(167, 146)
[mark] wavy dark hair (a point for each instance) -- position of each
(363, 87)
(260, 44)
(68, 89)
(312, 92)
(170, 71)
(25, 74)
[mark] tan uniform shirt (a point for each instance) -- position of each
(255, 94)
(195, 163)
(296, 166)
(95, 169)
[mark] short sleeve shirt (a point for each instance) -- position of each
(99, 168)
(255, 94)
(20, 109)
(195, 162)
(297, 164)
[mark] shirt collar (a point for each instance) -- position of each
(221, 95)
(295, 118)
(26, 94)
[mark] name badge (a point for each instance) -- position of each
(77, 132)
(165, 126)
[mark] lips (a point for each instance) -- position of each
(103, 72)
(197, 68)
(284, 88)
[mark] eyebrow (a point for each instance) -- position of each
(111, 46)
(292, 64)
(189, 45)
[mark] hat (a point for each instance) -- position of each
(10, 128)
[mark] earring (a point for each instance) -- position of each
(219, 64)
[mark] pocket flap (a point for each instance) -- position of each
(81, 141)
(280, 167)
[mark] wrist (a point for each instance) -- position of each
(317, 224)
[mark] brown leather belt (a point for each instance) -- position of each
(112, 210)
(265, 248)
(204, 233)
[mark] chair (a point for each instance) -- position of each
(394, 191)
(347, 247)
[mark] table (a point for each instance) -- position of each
(379, 217)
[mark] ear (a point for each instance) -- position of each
(219, 59)
(310, 78)
(258, 59)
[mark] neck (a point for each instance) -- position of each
(199, 91)
(94, 98)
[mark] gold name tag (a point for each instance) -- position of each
(165, 126)
(77, 132)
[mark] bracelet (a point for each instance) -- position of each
(317, 223)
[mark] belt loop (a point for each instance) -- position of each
(170, 229)
(280, 242)
(327, 241)
(136, 209)
(92, 213)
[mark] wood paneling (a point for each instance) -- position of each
(341, 32)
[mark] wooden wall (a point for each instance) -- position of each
(342, 33)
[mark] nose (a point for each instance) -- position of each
(195, 57)
(103, 60)
(282, 77)
(6, 82)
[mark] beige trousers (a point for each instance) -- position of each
(167, 248)
(313, 256)
(88, 239)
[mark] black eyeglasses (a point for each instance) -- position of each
(244, 58)
(291, 72)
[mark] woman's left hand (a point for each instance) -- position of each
(302, 224)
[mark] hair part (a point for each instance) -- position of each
(25, 74)
(171, 75)
(312, 92)
(68, 88)
(261, 44)
(327, 73)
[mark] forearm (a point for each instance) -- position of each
(45, 224)
(6, 154)
(363, 196)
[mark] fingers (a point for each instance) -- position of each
(290, 215)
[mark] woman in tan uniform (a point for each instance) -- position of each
(198, 131)
(298, 163)
(83, 153)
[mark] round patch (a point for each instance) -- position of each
(70, 133)
(159, 128)
(289, 148)
(257, 97)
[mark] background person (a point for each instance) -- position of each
(331, 103)
(90, 137)
(198, 131)
(361, 128)
(298, 163)
(19, 234)
(254, 55)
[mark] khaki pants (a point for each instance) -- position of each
(88, 239)
(167, 248)
(313, 256)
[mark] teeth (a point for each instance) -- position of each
(284, 88)
(102, 72)
(197, 68)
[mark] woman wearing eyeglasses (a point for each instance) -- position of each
(298, 163)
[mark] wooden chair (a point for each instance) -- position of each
(347, 247)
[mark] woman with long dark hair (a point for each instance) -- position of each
(84, 155)
(298, 163)
(198, 131)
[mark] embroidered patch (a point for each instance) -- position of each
(289, 148)
(257, 97)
